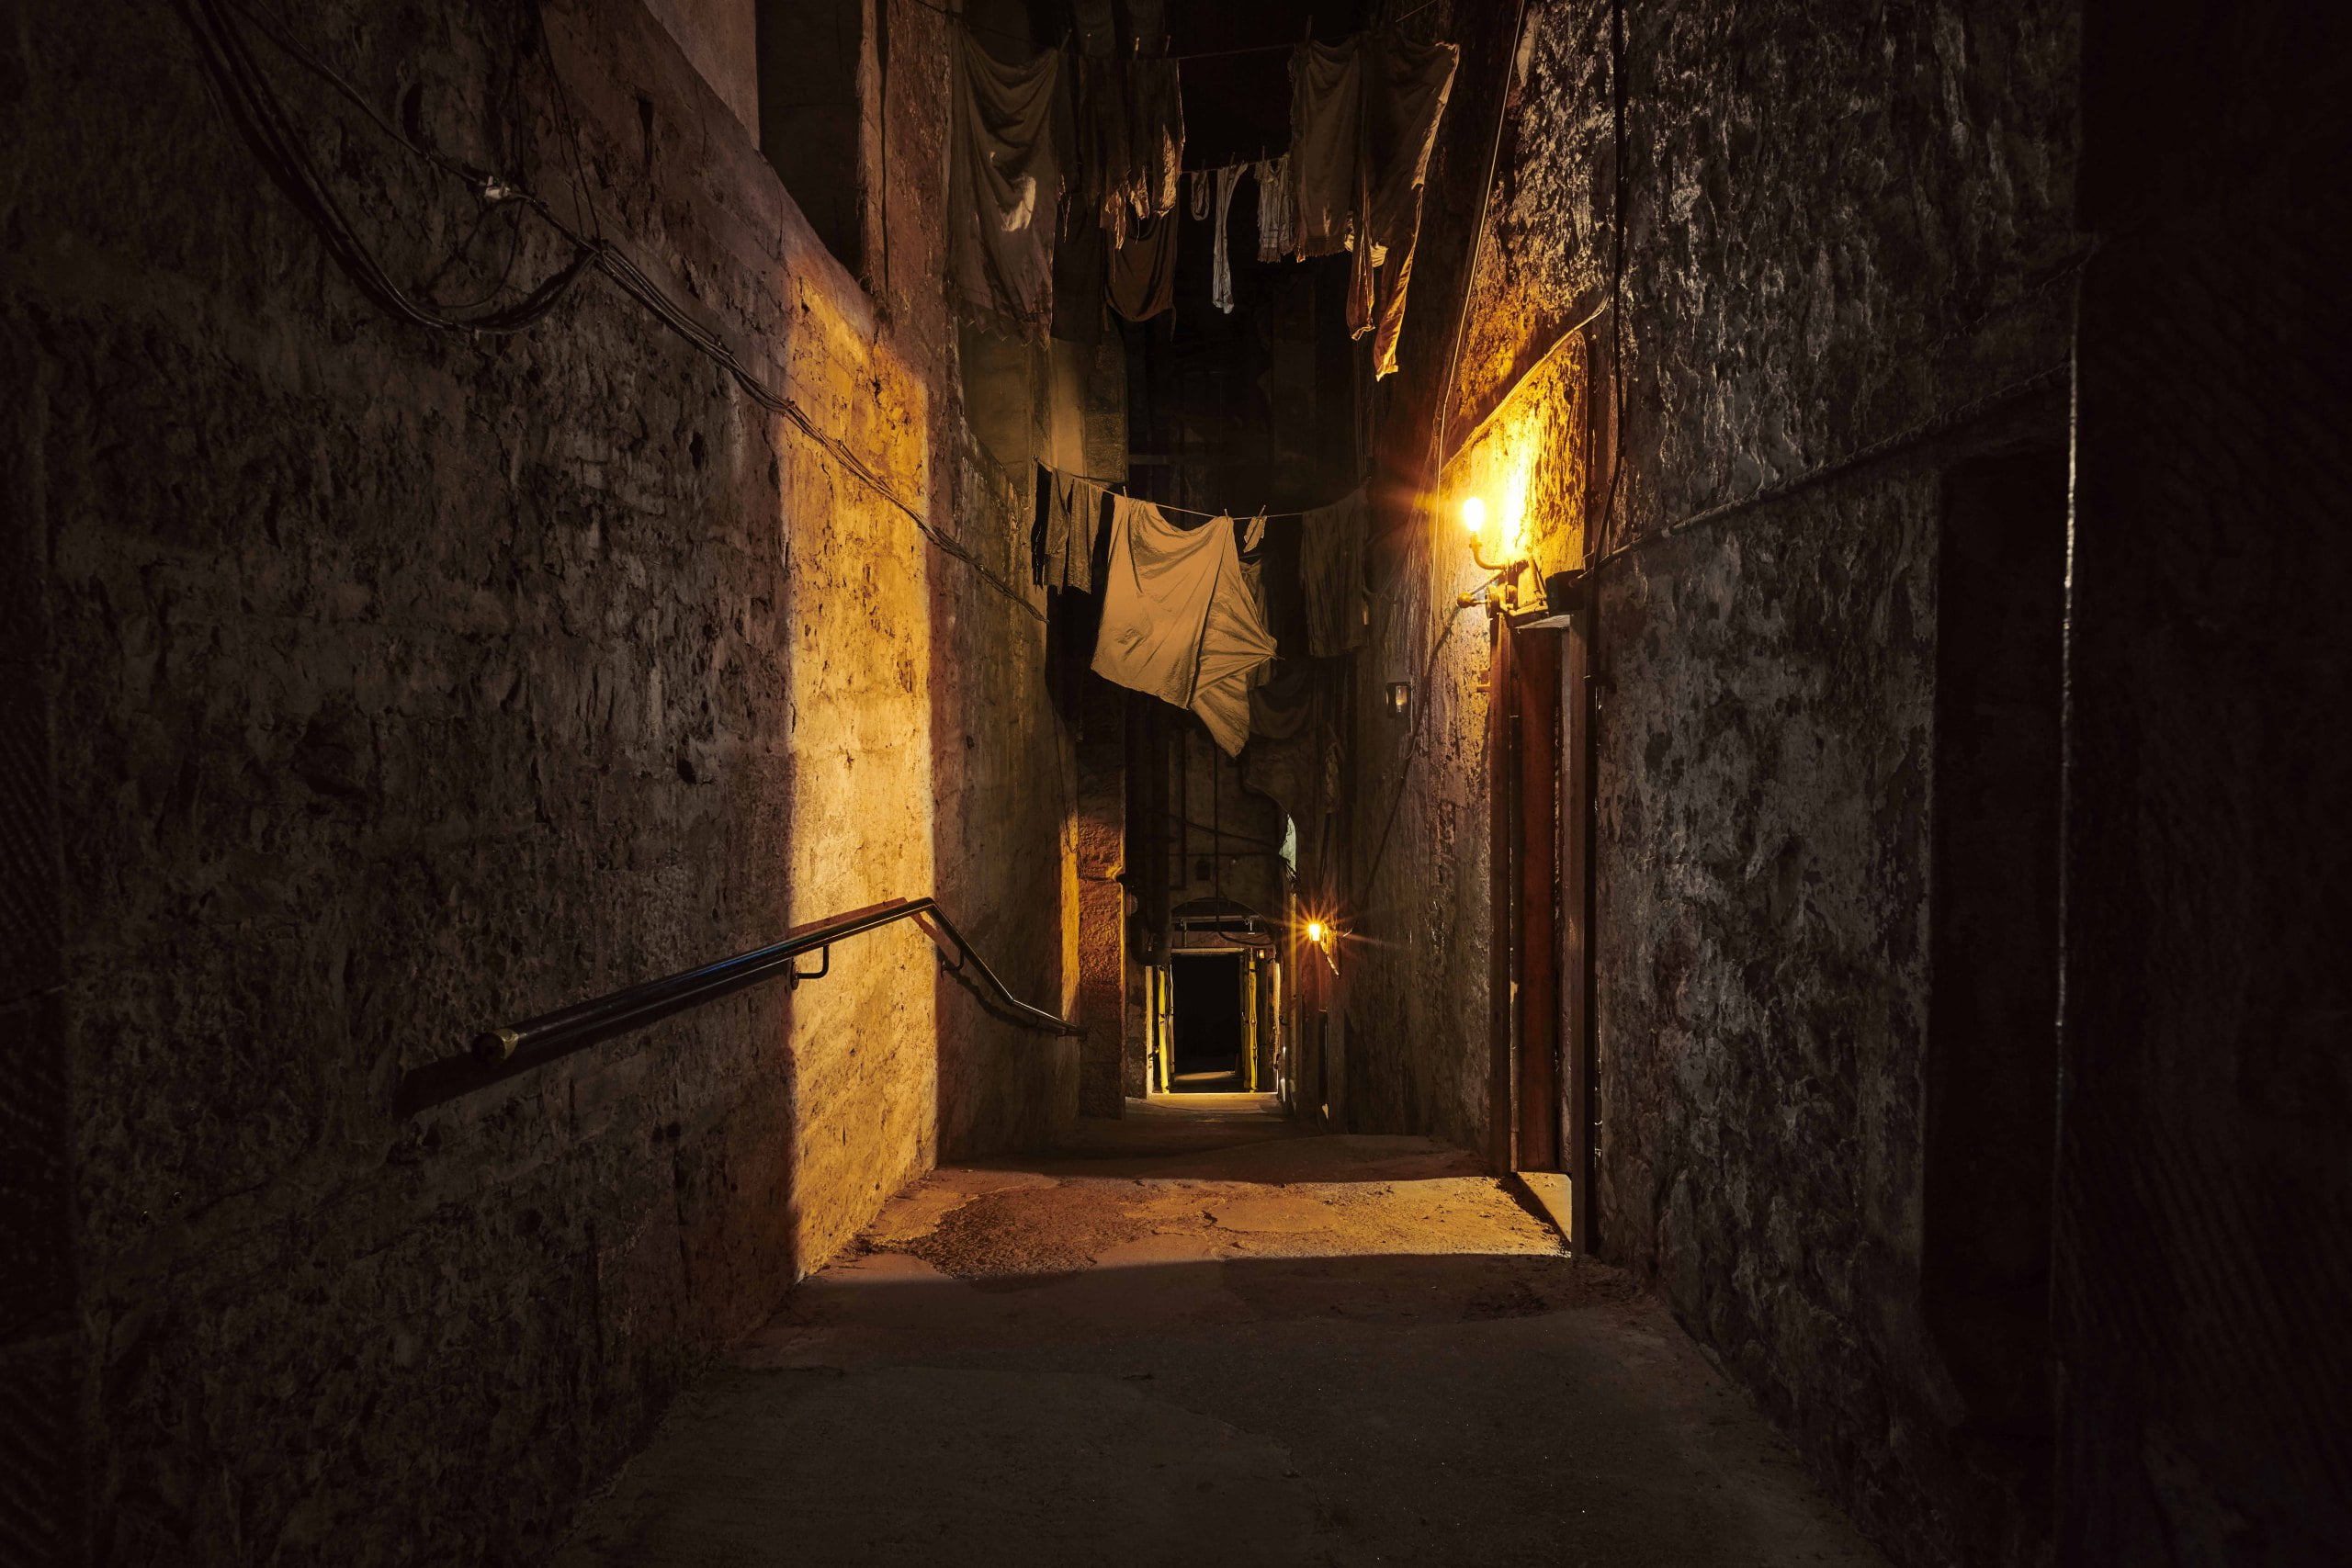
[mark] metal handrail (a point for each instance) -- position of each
(501, 1053)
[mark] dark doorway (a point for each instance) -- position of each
(1993, 1015)
(1209, 1034)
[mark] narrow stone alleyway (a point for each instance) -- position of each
(1199, 1337)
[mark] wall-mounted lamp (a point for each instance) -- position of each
(1400, 698)
(1315, 932)
(1516, 587)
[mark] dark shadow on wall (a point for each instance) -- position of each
(1991, 1101)
(2204, 1195)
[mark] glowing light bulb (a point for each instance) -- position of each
(1315, 932)
(1474, 514)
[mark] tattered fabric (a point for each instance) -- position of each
(1003, 187)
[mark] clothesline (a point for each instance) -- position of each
(1116, 487)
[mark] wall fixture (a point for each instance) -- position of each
(1516, 589)
(1400, 698)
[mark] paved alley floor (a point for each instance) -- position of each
(1196, 1337)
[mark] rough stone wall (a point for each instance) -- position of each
(2204, 1191)
(1409, 1004)
(402, 682)
(1847, 246)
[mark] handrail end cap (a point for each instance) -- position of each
(492, 1047)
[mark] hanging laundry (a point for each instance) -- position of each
(1220, 259)
(1158, 580)
(1282, 707)
(1155, 135)
(1107, 179)
(1143, 270)
(1072, 508)
(1406, 88)
(1236, 647)
(1200, 180)
(1180, 619)
(1004, 186)
(1082, 266)
(1276, 231)
(1330, 571)
(1326, 133)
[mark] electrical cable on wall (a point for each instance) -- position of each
(262, 117)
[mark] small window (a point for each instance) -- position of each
(812, 56)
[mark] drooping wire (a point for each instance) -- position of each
(263, 118)
(257, 112)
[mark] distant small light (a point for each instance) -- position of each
(1315, 932)
(1400, 698)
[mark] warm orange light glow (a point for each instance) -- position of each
(1474, 514)
(1315, 932)
(1514, 528)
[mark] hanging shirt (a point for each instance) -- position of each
(1003, 187)
(1197, 193)
(1143, 271)
(1276, 232)
(1179, 617)
(1220, 259)
(1330, 571)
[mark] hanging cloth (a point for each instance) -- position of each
(1143, 271)
(1330, 571)
(1155, 135)
(1003, 187)
(1221, 259)
(1276, 232)
(1180, 618)
(1198, 191)
(1326, 124)
(1236, 647)
(1406, 88)
(1072, 507)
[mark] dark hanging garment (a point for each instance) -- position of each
(1331, 572)
(1405, 87)
(1003, 187)
(1326, 132)
(1067, 556)
(1081, 259)
(1107, 181)
(1143, 271)
(1155, 135)
(1286, 597)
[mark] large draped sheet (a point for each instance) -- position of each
(1004, 186)
(1181, 618)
